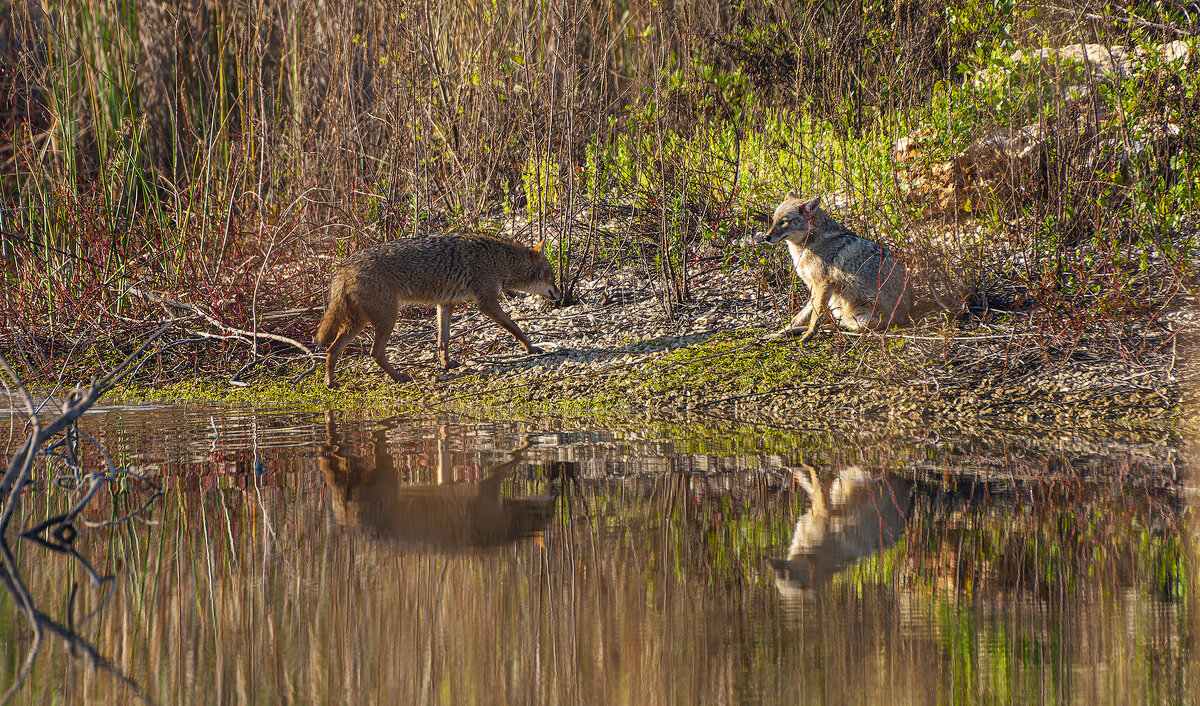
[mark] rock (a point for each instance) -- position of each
(1011, 165)
(1155, 143)
(905, 148)
(947, 189)
(1006, 152)
(1176, 51)
(1081, 61)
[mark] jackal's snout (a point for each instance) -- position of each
(543, 287)
(777, 232)
(550, 291)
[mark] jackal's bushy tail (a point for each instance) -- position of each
(336, 316)
(939, 292)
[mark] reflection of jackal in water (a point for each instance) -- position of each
(856, 515)
(368, 494)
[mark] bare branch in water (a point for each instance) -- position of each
(61, 528)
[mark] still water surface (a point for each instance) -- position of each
(316, 558)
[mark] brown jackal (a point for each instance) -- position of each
(370, 496)
(442, 270)
(863, 285)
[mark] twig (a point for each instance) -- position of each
(13, 483)
(217, 324)
(1109, 18)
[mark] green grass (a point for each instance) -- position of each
(728, 364)
(367, 397)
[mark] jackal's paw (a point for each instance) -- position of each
(782, 334)
(402, 377)
(451, 364)
(534, 350)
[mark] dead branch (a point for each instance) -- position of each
(12, 485)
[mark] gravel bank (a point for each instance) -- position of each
(618, 352)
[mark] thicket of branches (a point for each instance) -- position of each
(225, 154)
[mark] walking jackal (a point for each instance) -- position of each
(860, 282)
(370, 494)
(442, 270)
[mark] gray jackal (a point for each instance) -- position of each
(860, 282)
(444, 270)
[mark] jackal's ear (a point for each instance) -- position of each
(791, 196)
(812, 204)
(538, 248)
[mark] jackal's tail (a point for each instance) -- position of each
(940, 293)
(337, 315)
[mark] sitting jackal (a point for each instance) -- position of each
(442, 270)
(859, 281)
(856, 515)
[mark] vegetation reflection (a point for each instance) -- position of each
(299, 558)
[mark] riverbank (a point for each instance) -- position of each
(616, 354)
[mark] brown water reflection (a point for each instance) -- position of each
(855, 515)
(368, 494)
(280, 567)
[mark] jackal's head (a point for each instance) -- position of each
(797, 220)
(539, 277)
(796, 577)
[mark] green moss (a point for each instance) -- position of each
(728, 364)
(308, 394)
(732, 373)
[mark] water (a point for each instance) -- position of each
(313, 558)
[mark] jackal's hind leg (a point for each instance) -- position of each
(818, 304)
(344, 337)
(800, 320)
(379, 351)
(793, 327)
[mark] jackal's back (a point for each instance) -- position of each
(445, 269)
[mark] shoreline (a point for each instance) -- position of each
(614, 355)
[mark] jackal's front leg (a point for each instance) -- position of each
(799, 320)
(818, 493)
(493, 310)
(817, 304)
(810, 315)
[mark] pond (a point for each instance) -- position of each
(296, 557)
